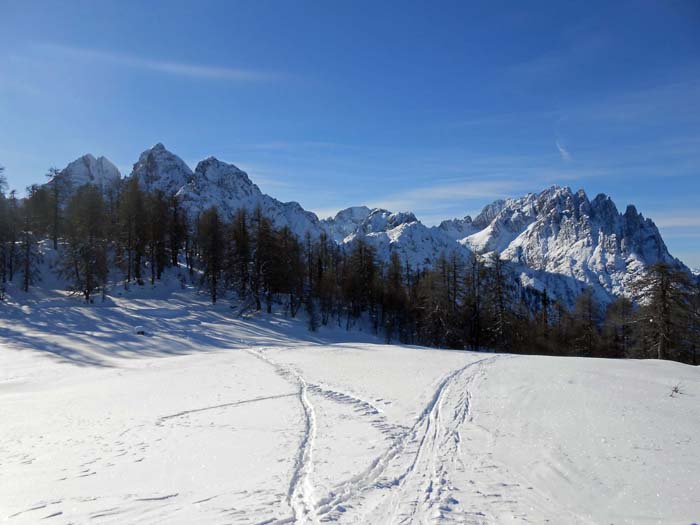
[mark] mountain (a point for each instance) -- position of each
(415, 243)
(557, 239)
(559, 233)
(90, 170)
(217, 183)
(345, 222)
(225, 186)
(159, 169)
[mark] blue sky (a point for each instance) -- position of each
(434, 107)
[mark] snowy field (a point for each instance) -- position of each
(210, 418)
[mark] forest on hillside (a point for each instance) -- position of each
(462, 304)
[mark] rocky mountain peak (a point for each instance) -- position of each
(90, 170)
(159, 169)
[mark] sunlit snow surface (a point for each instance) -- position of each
(210, 418)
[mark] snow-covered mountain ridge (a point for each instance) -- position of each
(557, 239)
(562, 233)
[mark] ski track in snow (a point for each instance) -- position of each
(223, 405)
(411, 476)
(301, 489)
(413, 470)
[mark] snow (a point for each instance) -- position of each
(90, 170)
(225, 186)
(159, 169)
(562, 240)
(213, 417)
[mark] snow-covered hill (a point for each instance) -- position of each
(213, 418)
(557, 239)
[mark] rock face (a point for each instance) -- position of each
(90, 170)
(345, 222)
(217, 183)
(159, 169)
(228, 188)
(562, 233)
(415, 243)
(556, 239)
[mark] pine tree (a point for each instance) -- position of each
(394, 299)
(11, 237)
(60, 187)
(84, 259)
(472, 303)
(29, 258)
(499, 297)
(262, 266)
(585, 336)
(239, 255)
(157, 217)
(664, 317)
(210, 233)
(5, 222)
(132, 238)
(618, 328)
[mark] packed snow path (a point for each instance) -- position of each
(214, 419)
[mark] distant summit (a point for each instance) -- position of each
(90, 170)
(557, 239)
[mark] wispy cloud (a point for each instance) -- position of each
(681, 219)
(446, 196)
(565, 155)
(183, 69)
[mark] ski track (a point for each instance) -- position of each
(411, 478)
(420, 490)
(223, 405)
(301, 490)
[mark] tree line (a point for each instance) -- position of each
(461, 304)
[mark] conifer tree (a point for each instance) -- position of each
(664, 318)
(60, 187)
(585, 337)
(84, 260)
(617, 328)
(32, 220)
(210, 240)
(132, 239)
(499, 297)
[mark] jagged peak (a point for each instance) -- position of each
(213, 162)
(89, 157)
(353, 212)
(602, 206)
(488, 213)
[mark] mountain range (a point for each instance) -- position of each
(557, 239)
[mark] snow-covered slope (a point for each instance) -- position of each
(216, 183)
(211, 418)
(90, 170)
(563, 233)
